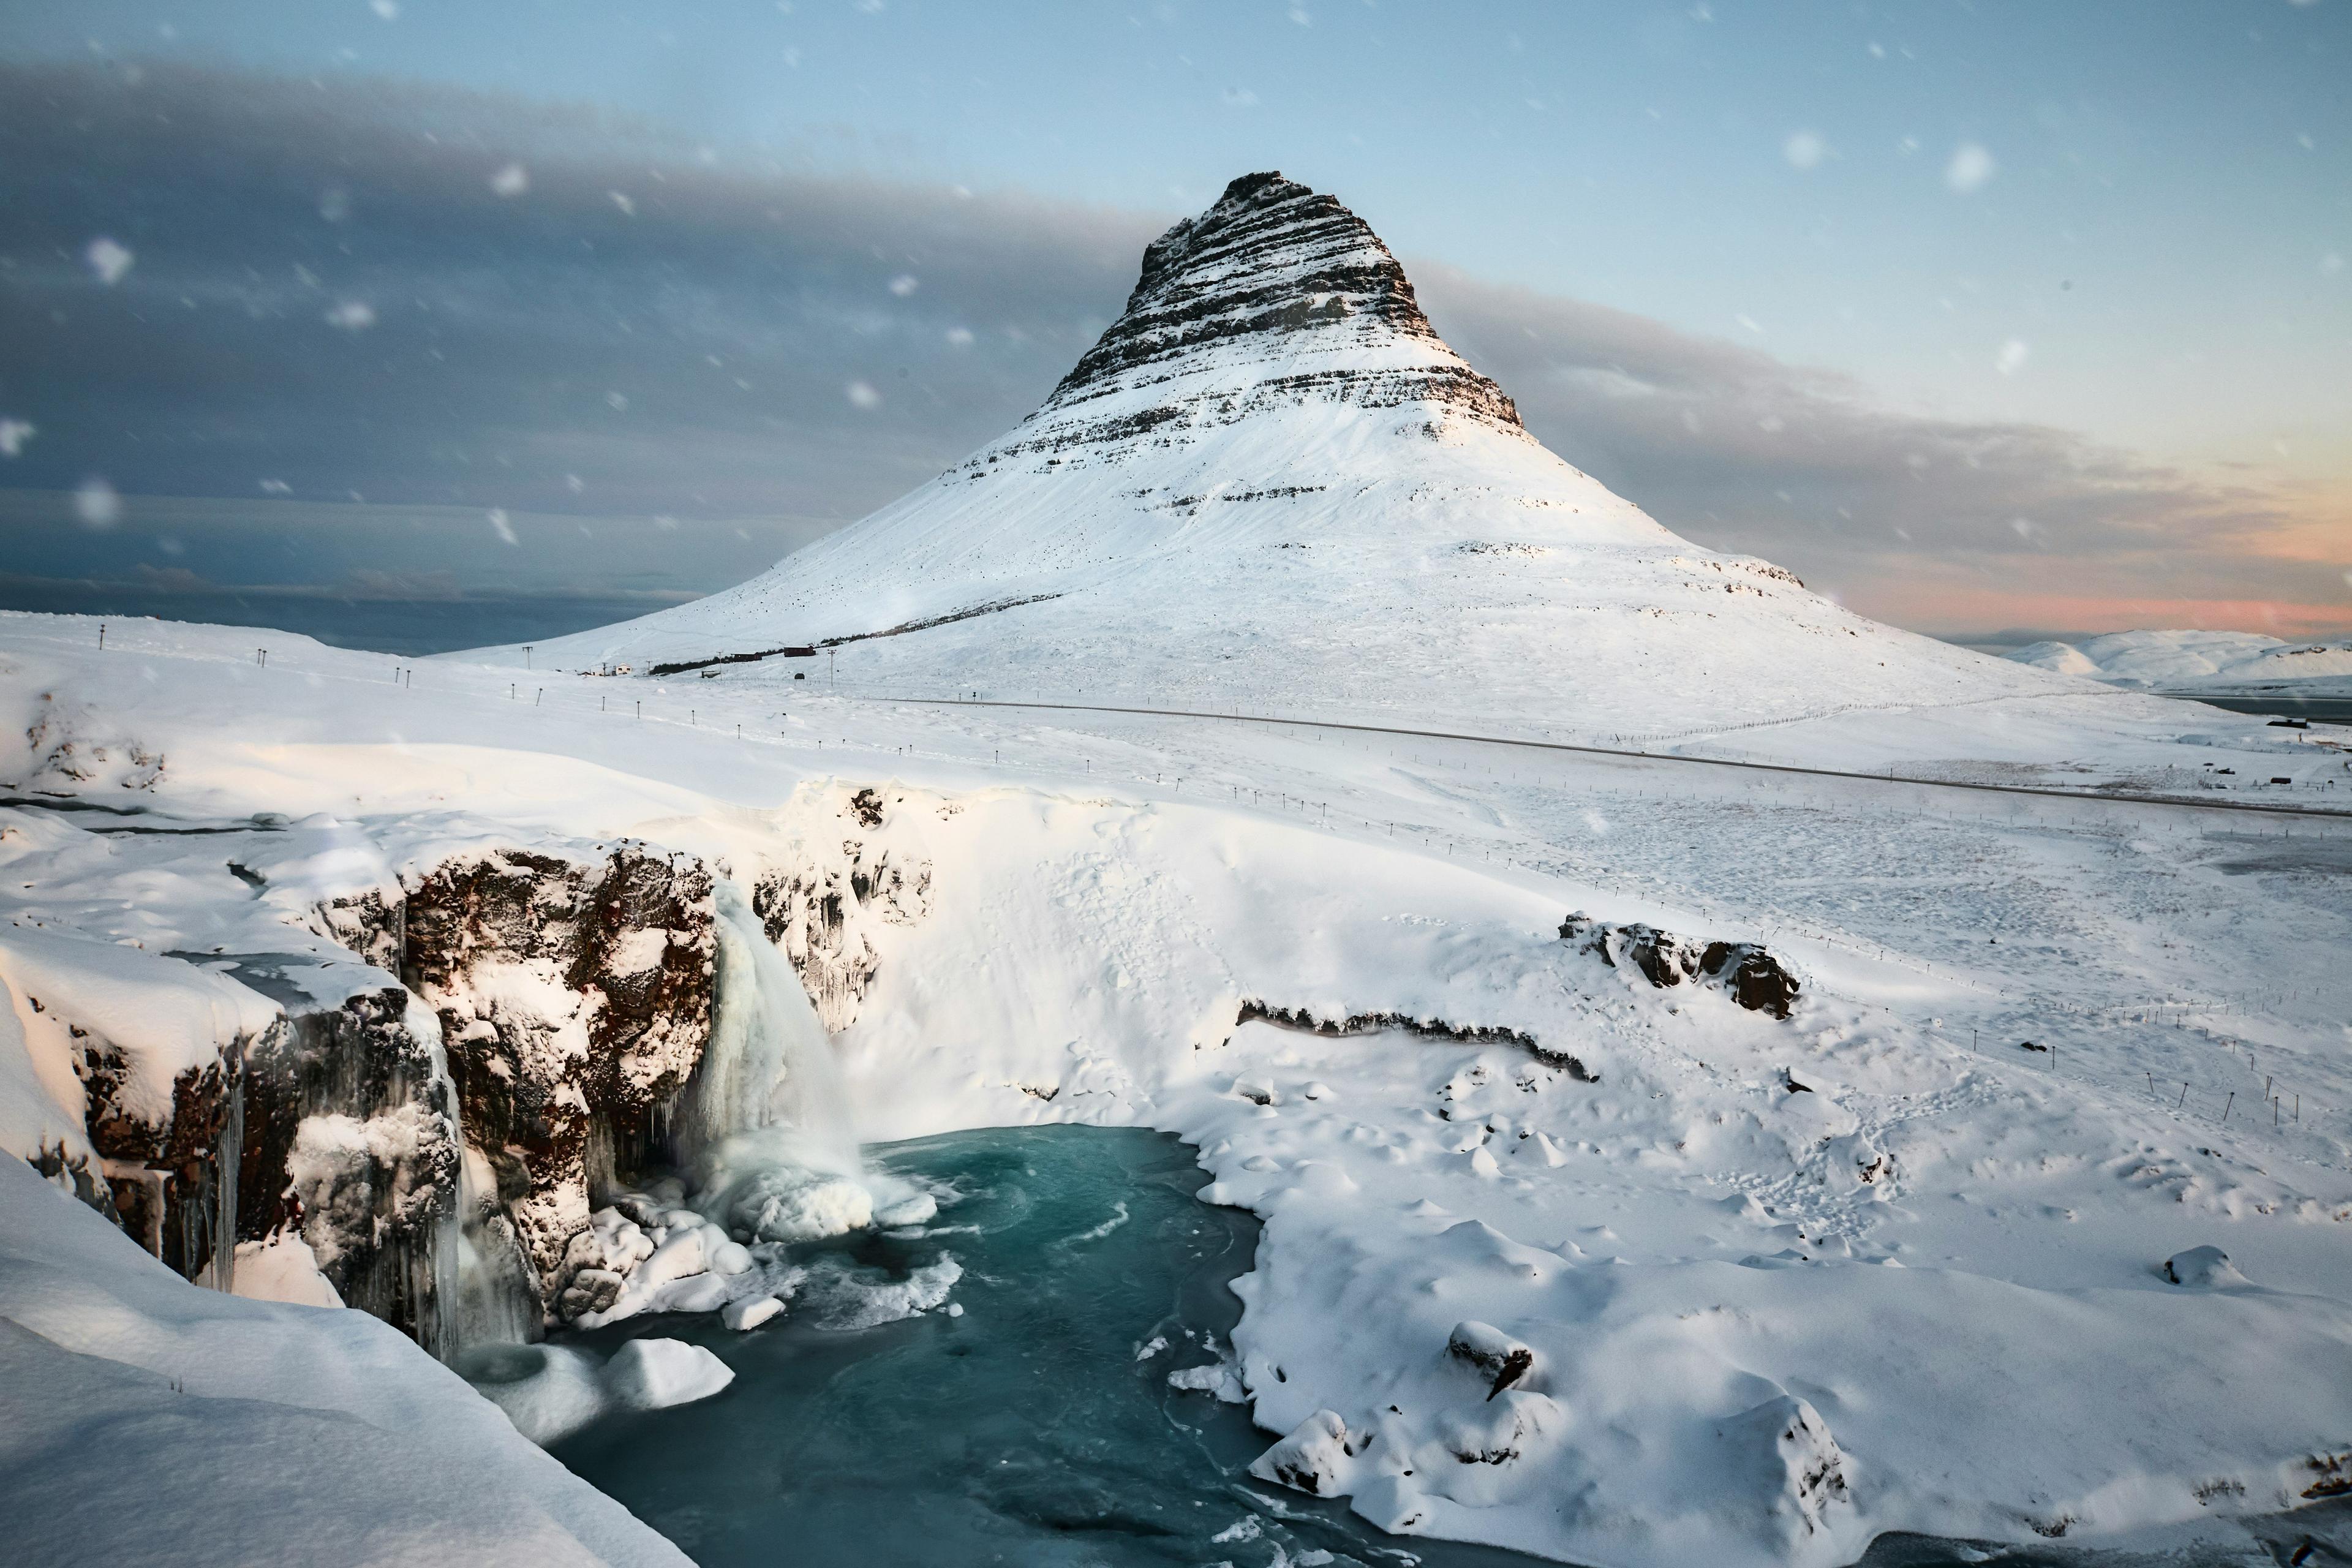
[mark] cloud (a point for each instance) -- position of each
(1905, 516)
(744, 352)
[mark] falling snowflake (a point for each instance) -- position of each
(352, 316)
(13, 434)
(511, 181)
(108, 260)
(1971, 167)
(96, 504)
(501, 526)
(904, 284)
(1805, 149)
(863, 395)
(2012, 358)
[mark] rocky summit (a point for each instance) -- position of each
(1277, 293)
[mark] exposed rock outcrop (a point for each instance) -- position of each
(414, 1103)
(1253, 1011)
(574, 997)
(820, 910)
(1277, 295)
(1785, 1452)
(1500, 1361)
(1746, 972)
(1268, 269)
(171, 1179)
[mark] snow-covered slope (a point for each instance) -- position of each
(1272, 484)
(2191, 660)
(149, 1422)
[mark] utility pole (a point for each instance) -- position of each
(526, 656)
(832, 671)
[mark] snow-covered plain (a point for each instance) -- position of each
(1554, 1257)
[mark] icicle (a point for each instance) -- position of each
(220, 1273)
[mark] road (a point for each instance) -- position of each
(1890, 777)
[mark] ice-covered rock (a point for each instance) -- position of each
(1781, 1462)
(1221, 1379)
(573, 983)
(822, 911)
(282, 1269)
(1317, 1457)
(1500, 1361)
(1495, 1450)
(2203, 1269)
(651, 1375)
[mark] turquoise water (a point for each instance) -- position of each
(1025, 1431)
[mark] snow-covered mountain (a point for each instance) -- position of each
(1270, 483)
(2193, 659)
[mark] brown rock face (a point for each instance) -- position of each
(172, 1185)
(574, 997)
(1746, 972)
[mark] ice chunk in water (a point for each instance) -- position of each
(650, 1375)
(749, 1312)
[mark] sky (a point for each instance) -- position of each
(1987, 319)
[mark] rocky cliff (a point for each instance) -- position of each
(418, 1066)
(573, 993)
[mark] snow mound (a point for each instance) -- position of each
(2203, 1269)
(653, 1374)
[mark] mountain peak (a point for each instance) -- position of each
(1276, 295)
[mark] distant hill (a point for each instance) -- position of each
(2214, 662)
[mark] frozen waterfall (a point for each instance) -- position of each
(766, 1130)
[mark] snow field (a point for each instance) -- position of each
(1979, 1339)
